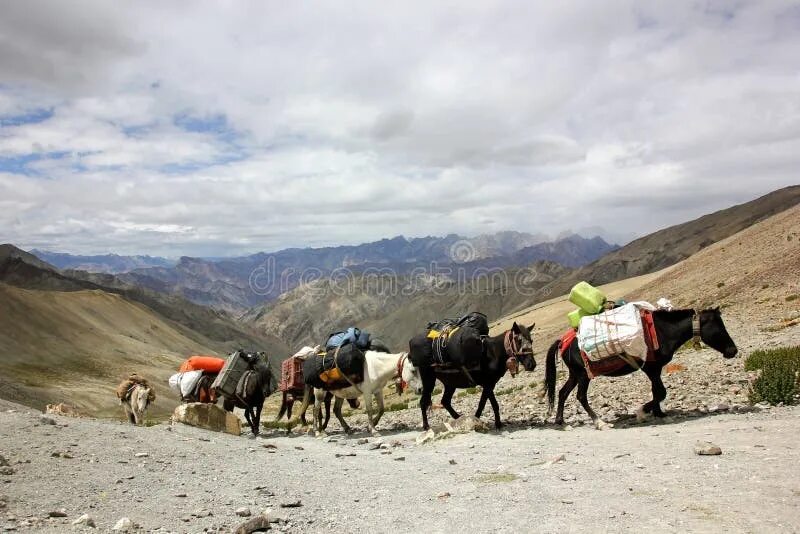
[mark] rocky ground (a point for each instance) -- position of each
(181, 479)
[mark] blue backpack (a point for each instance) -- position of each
(351, 335)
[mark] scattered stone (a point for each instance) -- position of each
(208, 416)
(63, 409)
(706, 448)
(444, 495)
(123, 525)
(202, 513)
(255, 524)
(47, 420)
(400, 459)
(243, 512)
(3, 461)
(291, 504)
(6, 471)
(85, 520)
(141, 455)
(363, 441)
(59, 454)
(57, 513)
(341, 455)
(181, 495)
(374, 446)
(269, 446)
(560, 459)
(452, 462)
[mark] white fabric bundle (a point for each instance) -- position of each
(305, 352)
(184, 383)
(614, 332)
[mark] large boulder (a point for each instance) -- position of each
(207, 416)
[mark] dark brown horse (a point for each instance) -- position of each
(673, 329)
(497, 355)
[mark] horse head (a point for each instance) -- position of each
(410, 375)
(714, 334)
(141, 398)
(519, 348)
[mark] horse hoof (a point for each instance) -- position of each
(602, 425)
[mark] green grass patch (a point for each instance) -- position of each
(437, 391)
(779, 381)
(277, 425)
(396, 406)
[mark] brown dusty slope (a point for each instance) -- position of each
(76, 346)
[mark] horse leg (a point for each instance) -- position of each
(328, 397)
(257, 422)
(495, 407)
(447, 398)
(129, 413)
(583, 398)
(381, 408)
(318, 398)
(368, 408)
(337, 411)
(289, 406)
(563, 393)
(659, 394)
(428, 382)
(482, 403)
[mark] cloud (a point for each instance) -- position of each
(144, 127)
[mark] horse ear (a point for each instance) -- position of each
(716, 309)
(515, 328)
(532, 326)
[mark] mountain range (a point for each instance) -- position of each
(237, 284)
(307, 313)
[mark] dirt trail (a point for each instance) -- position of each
(641, 478)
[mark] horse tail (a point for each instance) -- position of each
(550, 374)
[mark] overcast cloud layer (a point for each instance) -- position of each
(227, 128)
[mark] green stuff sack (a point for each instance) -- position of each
(588, 298)
(575, 317)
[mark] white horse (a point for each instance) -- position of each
(137, 402)
(379, 369)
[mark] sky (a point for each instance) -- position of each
(226, 128)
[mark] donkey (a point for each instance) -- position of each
(500, 354)
(137, 401)
(379, 369)
(254, 387)
(673, 329)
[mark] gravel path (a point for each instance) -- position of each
(636, 478)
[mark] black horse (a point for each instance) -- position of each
(673, 329)
(254, 387)
(499, 354)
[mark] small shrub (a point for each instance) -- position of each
(397, 406)
(778, 381)
(437, 390)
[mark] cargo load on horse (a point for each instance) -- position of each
(361, 339)
(209, 364)
(292, 369)
(194, 378)
(589, 300)
(335, 368)
(123, 391)
(456, 342)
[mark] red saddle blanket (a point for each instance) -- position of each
(615, 363)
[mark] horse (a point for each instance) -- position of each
(379, 369)
(673, 329)
(291, 395)
(137, 401)
(254, 387)
(500, 353)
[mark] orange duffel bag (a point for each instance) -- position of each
(209, 364)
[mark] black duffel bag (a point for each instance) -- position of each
(327, 371)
